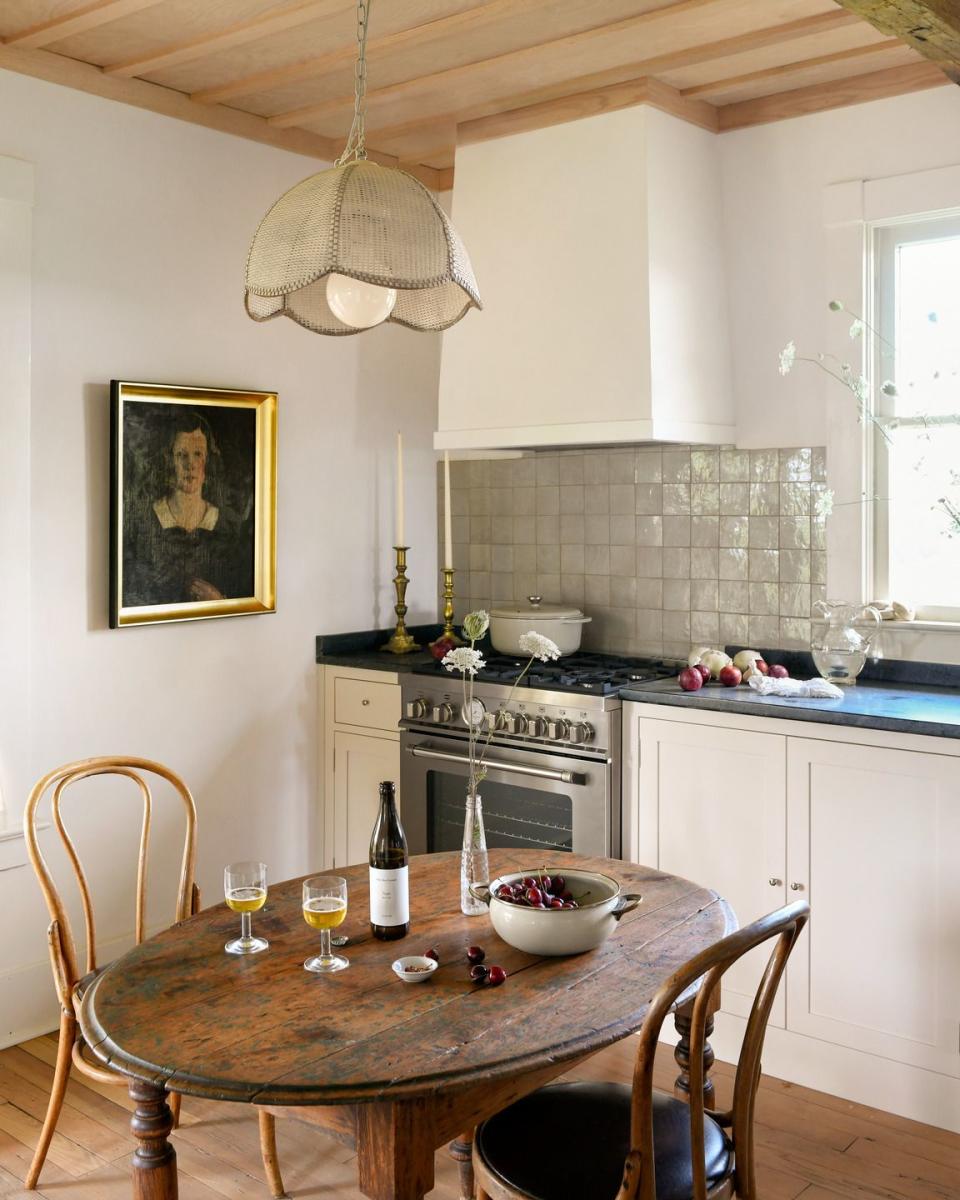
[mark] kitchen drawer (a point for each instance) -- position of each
(370, 705)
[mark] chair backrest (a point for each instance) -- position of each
(62, 946)
(639, 1182)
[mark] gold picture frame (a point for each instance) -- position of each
(193, 503)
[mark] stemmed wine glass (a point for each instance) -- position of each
(245, 891)
(324, 908)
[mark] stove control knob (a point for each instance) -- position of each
(442, 713)
(416, 709)
(494, 722)
(580, 732)
(514, 722)
(535, 726)
(558, 730)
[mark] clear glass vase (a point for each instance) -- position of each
(474, 864)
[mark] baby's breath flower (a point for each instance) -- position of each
(476, 624)
(888, 388)
(787, 357)
(538, 646)
(464, 659)
(857, 328)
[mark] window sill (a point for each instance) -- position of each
(921, 626)
(13, 847)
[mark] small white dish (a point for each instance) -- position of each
(414, 968)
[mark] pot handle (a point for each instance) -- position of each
(575, 620)
(625, 904)
(481, 892)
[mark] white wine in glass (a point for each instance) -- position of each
(245, 891)
(324, 908)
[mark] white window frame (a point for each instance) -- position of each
(886, 237)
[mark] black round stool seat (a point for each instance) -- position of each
(571, 1139)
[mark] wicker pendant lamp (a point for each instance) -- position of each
(359, 244)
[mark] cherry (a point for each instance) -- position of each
(495, 976)
(476, 954)
(554, 902)
(546, 883)
(534, 895)
(431, 953)
(528, 881)
(478, 973)
(504, 891)
(559, 885)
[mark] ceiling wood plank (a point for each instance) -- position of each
(80, 20)
(239, 34)
(589, 104)
(719, 86)
(455, 25)
(433, 132)
(84, 77)
(858, 89)
(931, 27)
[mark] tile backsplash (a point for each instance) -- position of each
(662, 547)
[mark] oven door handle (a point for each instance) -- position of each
(494, 765)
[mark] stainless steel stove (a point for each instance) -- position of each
(552, 757)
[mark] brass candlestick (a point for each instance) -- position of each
(448, 634)
(401, 642)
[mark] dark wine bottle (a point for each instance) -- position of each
(389, 884)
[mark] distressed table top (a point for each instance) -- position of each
(180, 1012)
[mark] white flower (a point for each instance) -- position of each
(857, 328)
(538, 646)
(823, 504)
(476, 624)
(888, 388)
(464, 659)
(787, 356)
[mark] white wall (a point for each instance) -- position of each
(777, 248)
(140, 233)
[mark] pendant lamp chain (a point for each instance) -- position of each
(356, 147)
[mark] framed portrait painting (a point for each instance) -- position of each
(193, 503)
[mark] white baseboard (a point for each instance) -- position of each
(866, 1079)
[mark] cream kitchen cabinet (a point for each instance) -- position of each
(864, 824)
(360, 746)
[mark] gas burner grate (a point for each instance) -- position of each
(591, 674)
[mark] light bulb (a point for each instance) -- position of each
(358, 304)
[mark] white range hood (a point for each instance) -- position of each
(598, 249)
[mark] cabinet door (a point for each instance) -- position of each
(359, 765)
(713, 809)
(874, 842)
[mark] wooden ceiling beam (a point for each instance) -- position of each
(239, 34)
(589, 104)
(452, 76)
(457, 24)
(435, 130)
(857, 89)
(932, 27)
(719, 86)
(80, 20)
(84, 77)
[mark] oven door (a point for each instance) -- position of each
(532, 798)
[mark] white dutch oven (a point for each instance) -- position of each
(557, 931)
(560, 625)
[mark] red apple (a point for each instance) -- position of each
(704, 671)
(730, 676)
(440, 647)
(762, 667)
(690, 679)
(778, 671)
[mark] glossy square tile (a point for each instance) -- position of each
(795, 464)
(623, 560)
(596, 590)
(572, 559)
(704, 531)
(676, 562)
(649, 498)
(764, 466)
(734, 629)
(676, 466)
(572, 589)
(622, 466)
(795, 499)
(795, 533)
(548, 530)
(734, 498)
(596, 467)
(622, 498)
(705, 498)
(764, 566)
(623, 591)
(596, 498)
(570, 468)
(479, 557)
(501, 502)
(734, 531)
(764, 499)
(649, 593)
(676, 530)
(548, 470)
(501, 473)
(705, 627)
(703, 595)
(676, 626)
(548, 559)
(571, 498)
(480, 529)
(734, 466)
(572, 528)
(733, 563)
(649, 562)
(764, 598)
(623, 530)
(649, 531)
(794, 633)
(524, 471)
(524, 501)
(704, 466)
(676, 498)
(764, 631)
(501, 586)
(795, 600)
(704, 563)
(649, 630)
(548, 587)
(676, 594)
(764, 533)
(795, 566)
(596, 559)
(596, 529)
(548, 501)
(733, 596)
(525, 530)
(501, 560)
(649, 466)
(478, 472)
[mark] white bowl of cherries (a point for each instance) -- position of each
(542, 912)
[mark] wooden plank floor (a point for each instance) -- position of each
(810, 1145)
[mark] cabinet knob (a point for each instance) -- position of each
(796, 887)
(774, 882)
(365, 703)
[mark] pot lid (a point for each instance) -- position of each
(533, 609)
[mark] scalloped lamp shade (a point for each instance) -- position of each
(372, 223)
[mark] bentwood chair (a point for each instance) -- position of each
(605, 1141)
(70, 984)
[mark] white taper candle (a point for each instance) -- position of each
(400, 541)
(447, 526)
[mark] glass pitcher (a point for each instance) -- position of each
(841, 650)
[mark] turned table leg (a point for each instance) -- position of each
(395, 1149)
(461, 1151)
(682, 1020)
(155, 1160)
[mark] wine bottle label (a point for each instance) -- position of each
(389, 896)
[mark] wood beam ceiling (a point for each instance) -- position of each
(80, 20)
(931, 27)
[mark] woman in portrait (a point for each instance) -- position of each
(182, 542)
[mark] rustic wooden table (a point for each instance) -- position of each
(394, 1069)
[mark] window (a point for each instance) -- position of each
(915, 438)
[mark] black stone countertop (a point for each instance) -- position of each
(869, 704)
(362, 650)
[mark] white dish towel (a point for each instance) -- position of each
(805, 689)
